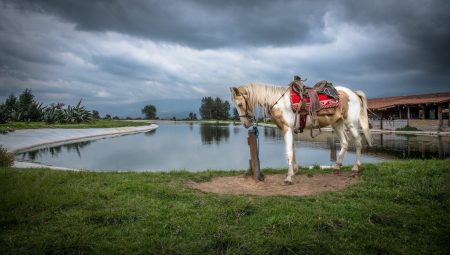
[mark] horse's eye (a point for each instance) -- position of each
(240, 104)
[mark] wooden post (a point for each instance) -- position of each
(253, 144)
(440, 118)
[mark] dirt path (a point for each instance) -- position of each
(303, 185)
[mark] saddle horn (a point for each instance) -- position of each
(298, 78)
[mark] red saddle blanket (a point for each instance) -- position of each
(325, 101)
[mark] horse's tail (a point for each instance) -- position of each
(363, 118)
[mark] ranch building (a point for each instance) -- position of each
(424, 112)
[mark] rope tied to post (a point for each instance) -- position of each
(256, 131)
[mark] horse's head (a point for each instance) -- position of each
(243, 106)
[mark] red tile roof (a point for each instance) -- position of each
(389, 102)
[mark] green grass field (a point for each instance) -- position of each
(94, 124)
(400, 207)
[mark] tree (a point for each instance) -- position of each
(225, 110)
(8, 108)
(206, 108)
(192, 116)
(27, 108)
(107, 117)
(214, 108)
(235, 114)
(95, 114)
(149, 111)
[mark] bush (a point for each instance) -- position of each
(53, 114)
(6, 158)
(27, 108)
(76, 114)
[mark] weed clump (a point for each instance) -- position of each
(6, 158)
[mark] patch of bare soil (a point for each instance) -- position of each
(303, 185)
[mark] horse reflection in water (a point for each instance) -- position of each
(351, 114)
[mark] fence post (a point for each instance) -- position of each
(253, 144)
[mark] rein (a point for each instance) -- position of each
(282, 95)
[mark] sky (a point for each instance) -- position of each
(119, 55)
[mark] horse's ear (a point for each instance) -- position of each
(235, 91)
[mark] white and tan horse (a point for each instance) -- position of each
(351, 114)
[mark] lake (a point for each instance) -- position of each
(199, 147)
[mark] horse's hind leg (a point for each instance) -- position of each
(357, 138)
(339, 129)
(294, 159)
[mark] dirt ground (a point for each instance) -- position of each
(303, 185)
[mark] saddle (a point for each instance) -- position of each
(321, 99)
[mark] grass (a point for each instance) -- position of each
(11, 126)
(400, 207)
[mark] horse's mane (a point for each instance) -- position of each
(264, 95)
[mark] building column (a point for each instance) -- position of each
(440, 117)
(381, 120)
(423, 112)
(407, 117)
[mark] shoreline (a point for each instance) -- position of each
(28, 139)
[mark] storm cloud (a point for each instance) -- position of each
(124, 52)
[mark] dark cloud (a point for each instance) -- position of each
(200, 24)
(424, 25)
(215, 24)
(116, 50)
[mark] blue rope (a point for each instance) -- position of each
(256, 131)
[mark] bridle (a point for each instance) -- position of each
(247, 114)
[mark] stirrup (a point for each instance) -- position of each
(314, 133)
(298, 130)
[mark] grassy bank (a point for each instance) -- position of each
(94, 124)
(398, 207)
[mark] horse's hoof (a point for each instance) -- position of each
(355, 169)
(288, 181)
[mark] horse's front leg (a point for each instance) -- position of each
(289, 142)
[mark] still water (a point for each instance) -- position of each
(198, 147)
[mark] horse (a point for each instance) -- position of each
(351, 114)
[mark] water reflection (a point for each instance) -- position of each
(151, 132)
(410, 146)
(196, 147)
(236, 129)
(55, 151)
(214, 133)
(387, 146)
